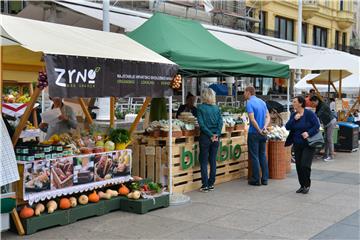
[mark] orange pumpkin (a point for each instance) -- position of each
(26, 212)
(94, 197)
(123, 190)
(64, 203)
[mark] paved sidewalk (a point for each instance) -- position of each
(236, 210)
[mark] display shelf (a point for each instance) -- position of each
(142, 206)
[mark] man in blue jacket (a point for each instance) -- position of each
(259, 120)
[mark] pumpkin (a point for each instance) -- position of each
(64, 203)
(83, 199)
(94, 197)
(52, 206)
(73, 202)
(103, 195)
(123, 190)
(40, 208)
(26, 212)
(112, 193)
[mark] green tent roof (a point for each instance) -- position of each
(197, 51)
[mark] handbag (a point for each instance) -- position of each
(316, 141)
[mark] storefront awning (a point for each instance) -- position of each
(198, 52)
(84, 63)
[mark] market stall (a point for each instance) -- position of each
(73, 164)
(202, 55)
(334, 66)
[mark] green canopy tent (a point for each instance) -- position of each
(198, 52)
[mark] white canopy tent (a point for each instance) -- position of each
(60, 39)
(351, 84)
(326, 60)
(336, 65)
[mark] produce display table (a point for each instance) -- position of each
(150, 159)
(46, 179)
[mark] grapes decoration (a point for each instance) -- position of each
(42, 80)
(176, 82)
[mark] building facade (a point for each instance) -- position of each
(325, 23)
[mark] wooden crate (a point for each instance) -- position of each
(150, 160)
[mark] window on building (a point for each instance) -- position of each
(343, 42)
(337, 40)
(262, 23)
(12, 7)
(320, 36)
(284, 28)
(341, 5)
(304, 33)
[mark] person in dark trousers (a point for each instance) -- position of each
(302, 124)
(211, 123)
(329, 122)
(259, 120)
(189, 106)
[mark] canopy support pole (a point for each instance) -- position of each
(26, 115)
(340, 85)
(183, 90)
(35, 120)
(112, 112)
(329, 82)
(170, 146)
(288, 97)
(333, 86)
(140, 114)
(317, 91)
(86, 111)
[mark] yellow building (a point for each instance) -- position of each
(326, 23)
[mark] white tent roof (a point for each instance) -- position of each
(326, 60)
(350, 84)
(259, 45)
(60, 39)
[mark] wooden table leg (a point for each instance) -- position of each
(18, 224)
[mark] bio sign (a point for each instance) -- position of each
(229, 151)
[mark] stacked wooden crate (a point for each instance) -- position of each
(150, 159)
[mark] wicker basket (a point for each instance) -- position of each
(188, 133)
(249, 161)
(288, 159)
(155, 133)
(277, 159)
(174, 134)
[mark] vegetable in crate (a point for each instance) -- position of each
(51, 206)
(123, 190)
(26, 212)
(135, 186)
(40, 208)
(155, 187)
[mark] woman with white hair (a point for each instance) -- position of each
(211, 122)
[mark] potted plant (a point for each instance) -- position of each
(121, 138)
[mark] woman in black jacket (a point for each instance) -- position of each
(302, 124)
(329, 122)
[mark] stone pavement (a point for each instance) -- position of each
(236, 210)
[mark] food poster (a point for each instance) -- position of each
(83, 169)
(104, 166)
(37, 176)
(62, 173)
(122, 163)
